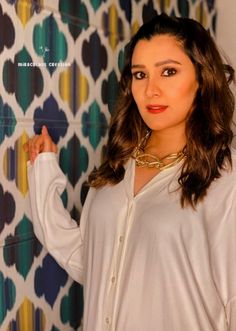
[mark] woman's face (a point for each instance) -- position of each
(164, 83)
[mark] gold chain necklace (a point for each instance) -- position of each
(147, 160)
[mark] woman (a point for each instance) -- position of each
(156, 246)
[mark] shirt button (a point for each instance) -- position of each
(107, 320)
(113, 279)
(121, 238)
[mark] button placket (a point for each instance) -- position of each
(113, 288)
(122, 241)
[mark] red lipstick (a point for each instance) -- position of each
(156, 109)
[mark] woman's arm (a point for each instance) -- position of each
(53, 226)
(52, 222)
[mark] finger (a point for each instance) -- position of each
(34, 148)
(48, 144)
(29, 144)
(32, 157)
(44, 131)
(54, 148)
(36, 144)
(26, 147)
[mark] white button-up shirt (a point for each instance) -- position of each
(146, 263)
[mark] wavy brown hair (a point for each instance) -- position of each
(208, 128)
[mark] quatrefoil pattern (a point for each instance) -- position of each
(60, 67)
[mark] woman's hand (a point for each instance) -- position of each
(39, 144)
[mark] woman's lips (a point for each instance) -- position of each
(156, 109)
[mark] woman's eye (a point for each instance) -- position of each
(139, 75)
(169, 72)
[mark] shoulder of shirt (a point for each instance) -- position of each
(222, 191)
(233, 155)
(227, 181)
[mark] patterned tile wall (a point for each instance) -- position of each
(60, 62)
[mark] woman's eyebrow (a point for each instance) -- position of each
(157, 64)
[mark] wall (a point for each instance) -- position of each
(78, 47)
(225, 35)
(226, 29)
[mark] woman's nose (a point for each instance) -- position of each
(152, 88)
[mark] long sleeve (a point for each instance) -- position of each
(224, 253)
(53, 225)
(231, 314)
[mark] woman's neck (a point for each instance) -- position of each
(162, 144)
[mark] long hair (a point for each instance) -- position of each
(208, 127)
